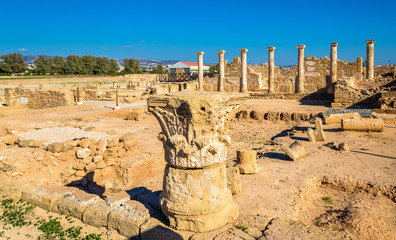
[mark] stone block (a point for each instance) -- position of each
(83, 153)
(128, 218)
(55, 147)
(336, 118)
(369, 124)
(118, 198)
(97, 214)
(234, 182)
(246, 162)
(46, 197)
(75, 203)
(295, 151)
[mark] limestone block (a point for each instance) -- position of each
(101, 145)
(38, 144)
(246, 162)
(136, 116)
(97, 214)
(257, 115)
(83, 153)
(55, 147)
(128, 218)
(343, 147)
(118, 198)
(369, 124)
(113, 141)
(10, 139)
(75, 203)
(25, 143)
(295, 151)
(84, 143)
(336, 118)
(46, 197)
(234, 182)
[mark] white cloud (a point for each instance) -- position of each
(22, 49)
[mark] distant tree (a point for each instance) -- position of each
(132, 66)
(214, 68)
(73, 65)
(43, 65)
(58, 64)
(114, 65)
(160, 68)
(88, 64)
(102, 66)
(13, 63)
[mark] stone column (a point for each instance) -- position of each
(195, 135)
(301, 78)
(243, 87)
(370, 60)
(359, 65)
(333, 62)
(271, 69)
(200, 70)
(220, 86)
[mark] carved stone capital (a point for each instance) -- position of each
(370, 41)
(334, 44)
(194, 126)
(271, 49)
(243, 50)
(200, 53)
(301, 46)
(221, 51)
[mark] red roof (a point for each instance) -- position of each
(192, 64)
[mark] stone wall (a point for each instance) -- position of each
(50, 98)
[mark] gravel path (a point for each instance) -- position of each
(61, 134)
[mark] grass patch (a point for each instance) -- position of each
(327, 199)
(14, 213)
(364, 149)
(243, 228)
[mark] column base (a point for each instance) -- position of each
(204, 222)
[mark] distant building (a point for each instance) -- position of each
(186, 67)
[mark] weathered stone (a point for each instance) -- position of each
(87, 160)
(46, 197)
(234, 182)
(111, 161)
(195, 195)
(10, 139)
(295, 151)
(136, 116)
(127, 136)
(100, 165)
(55, 147)
(336, 118)
(38, 144)
(97, 214)
(78, 165)
(98, 158)
(128, 218)
(84, 143)
(83, 153)
(90, 167)
(75, 203)
(80, 173)
(101, 145)
(25, 143)
(118, 198)
(343, 147)
(113, 141)
(131, 142)
(246, 162)
(369, 124)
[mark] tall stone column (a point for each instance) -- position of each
(271, 69)
(243, 70)
(220, 86)
(301, 78)
(200, 70)
(359, 61)
(195, 135)
(370, 60)
(333, 62)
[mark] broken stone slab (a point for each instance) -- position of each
(343, 147)
(97, 214)
(246, 162)
(317, 134)
(336, 118)
(234, 182)
(45, 197)
(368, 124)
(118, 198)
(128, 218)
(83, 153)
(295, 151)
(75, 203)
(55, 147)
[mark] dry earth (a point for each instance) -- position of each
(328, 194)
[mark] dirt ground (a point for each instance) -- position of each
(328, 194)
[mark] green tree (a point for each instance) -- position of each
(160, 68)
(58, 64)
(73, 65)
(102, 66)
(214, 68)
(88, 64)
(13, 63)
(43, 65)
(132, 66)
(114, 65)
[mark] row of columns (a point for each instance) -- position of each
(299, 84)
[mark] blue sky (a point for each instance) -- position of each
(177, 29)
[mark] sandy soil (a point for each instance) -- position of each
(290, 190)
